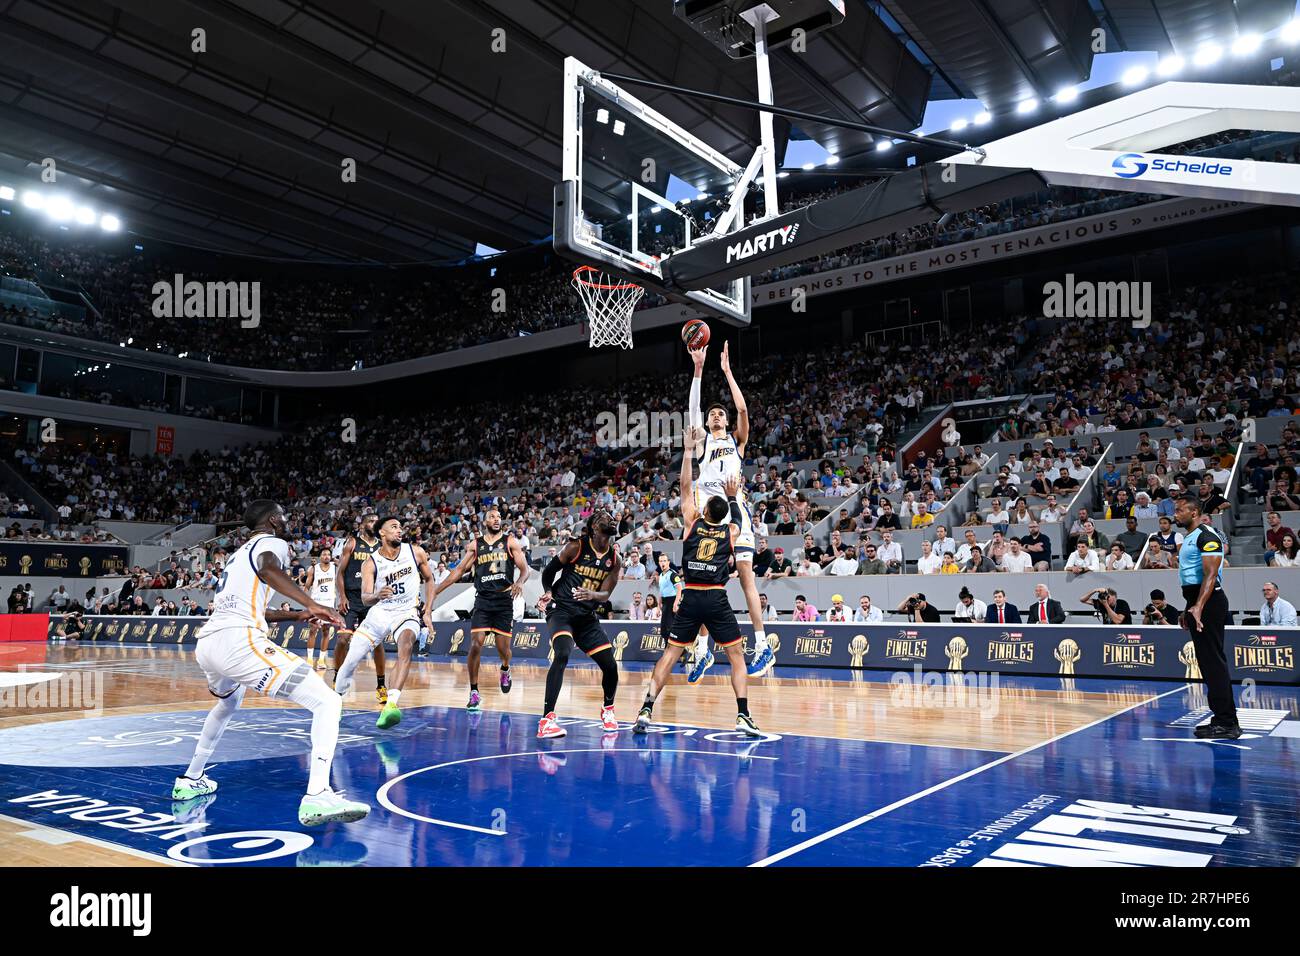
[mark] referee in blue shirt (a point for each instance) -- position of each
(1200, 571)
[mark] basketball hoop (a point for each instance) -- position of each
(610, 302)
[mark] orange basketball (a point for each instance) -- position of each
(695, 334)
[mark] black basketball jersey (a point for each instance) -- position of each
(494, 570)
(706, 554)
(588, 571)
(361, 552)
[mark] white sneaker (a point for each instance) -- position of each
(330, 807)
(187, 788)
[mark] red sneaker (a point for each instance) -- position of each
(608, 722)
(547, 727)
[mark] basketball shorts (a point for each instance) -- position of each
(381, 623)
(246, 656)
(708, 608)
(582, 627)
(745, 542)
(498, 617)
(356, 612)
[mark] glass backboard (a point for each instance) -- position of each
(638, 188)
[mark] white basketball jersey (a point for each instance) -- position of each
(721, 460)
(322, 584)
(242, 596)
(402, 574)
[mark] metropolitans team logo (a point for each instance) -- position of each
(1011, 647)
(1128, 652)
(906, 646)
(815, 642)
(1264, 654)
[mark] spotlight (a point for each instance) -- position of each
(958, 125)
(832, 160)
(1246, 44)
(602, 116)
(60, 209)
(883, 145)
(110, 223)
(33, 200)
(1291, 32)
(1027, 106)
(983, 117)
(85, 215)
(1067, 94)
(619, 127)
(6, 193)
(809, 167)
(1207, 54)
(1170, 65)
(1135, 76)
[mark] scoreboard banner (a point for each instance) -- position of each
(1266, 655)
(58, 560)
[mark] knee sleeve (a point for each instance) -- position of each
(314, 694)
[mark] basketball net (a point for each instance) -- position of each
(610, 302)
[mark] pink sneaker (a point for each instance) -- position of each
(608, 722)
(547, 727)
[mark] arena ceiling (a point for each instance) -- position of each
(239, 147)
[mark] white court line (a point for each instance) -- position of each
(78, 838)
(382, 794)
(852, 824)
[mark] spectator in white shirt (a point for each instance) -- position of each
(1118, 559)
(1082, 560)
(943, 543)
(929, 562)
(1017, 559)
(963, 552)
(866, 613)
(1053, 512)
(845, 564)
(891, 552)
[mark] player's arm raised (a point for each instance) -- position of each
(742, 410)
(369, 596)
(690, 441)
(340, 585)
(456, 573)
(694, 417)
(517, 555)
(270, 572)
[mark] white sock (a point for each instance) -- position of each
(394, 696)
(311, 655)
(701, 647)
(358, 650)
(760, 640)
(213, 727)
(326, 709)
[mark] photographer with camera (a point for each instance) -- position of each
(1159, 611)
(1108, 605)
(918, 610)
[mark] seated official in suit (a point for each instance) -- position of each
(1000, 612)
(1045, 609)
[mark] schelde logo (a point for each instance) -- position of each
(764, 242)
(1133, 165)
(1129, 166)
